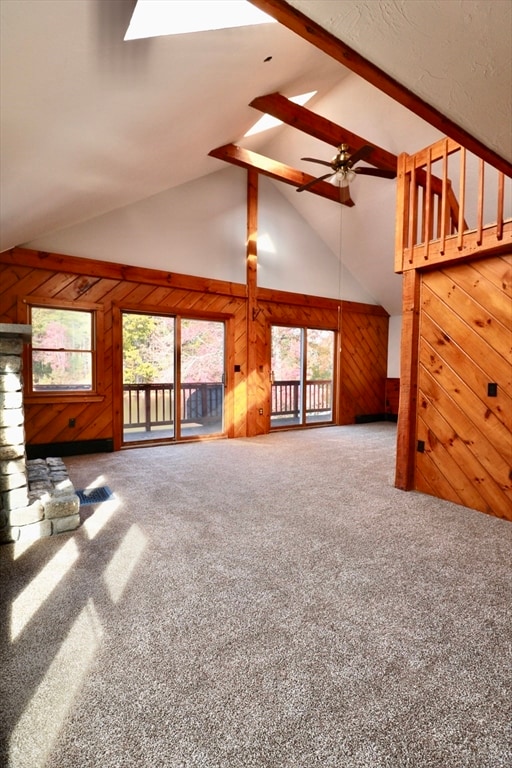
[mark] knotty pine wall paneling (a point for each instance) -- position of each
(465, 344)
(31, 276)
(364, 344)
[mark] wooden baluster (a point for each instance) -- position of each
(147, 407)
(413, 211)
(427, 207)
(204, 400)
(462, 198)
(480, 211)
(444, 196)
(501, 198)
(402, 234)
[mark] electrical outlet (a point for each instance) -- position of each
(260, 411)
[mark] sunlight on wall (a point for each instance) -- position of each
(266, 244)
(40, 588)
(38, 727)
(126, 556)
(100, 517)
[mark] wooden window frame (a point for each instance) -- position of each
(70, 396)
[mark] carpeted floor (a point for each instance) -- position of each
(264, 603)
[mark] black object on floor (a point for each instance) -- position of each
(95, 495)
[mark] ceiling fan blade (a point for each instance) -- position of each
(314, 160)
(313, 181)
(383, 174)
(360, 154)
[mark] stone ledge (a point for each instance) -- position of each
(53, 506)
(8, 330)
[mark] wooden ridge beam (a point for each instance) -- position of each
(304, 120)
(246, 158)
(325, 41)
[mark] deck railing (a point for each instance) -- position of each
(152, 405)
(286, 397)
(449, 204)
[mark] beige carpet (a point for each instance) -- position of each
(264, 603)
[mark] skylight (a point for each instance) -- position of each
(152, 18)
(267, 121)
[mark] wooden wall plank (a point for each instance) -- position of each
(482, 490)
(494, 440)
(465, 344)
(441, 356)
(56, 262)
(438, 473)
(471, 337)
(498, 272)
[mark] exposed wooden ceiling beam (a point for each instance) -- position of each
(246, 158)
(308, 122)
(325, 41)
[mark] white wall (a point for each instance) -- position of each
(395, 331)
(292, 257)
(199, 229)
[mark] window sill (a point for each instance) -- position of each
(68, 397)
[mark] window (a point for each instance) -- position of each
(63, 350)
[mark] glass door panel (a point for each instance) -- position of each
(201, 364)
(148, 377)
(319, 375)
(302, 364)
(286, 366)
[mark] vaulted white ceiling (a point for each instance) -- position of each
(90, 124)
(456, 55)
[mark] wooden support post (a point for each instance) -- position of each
(257, 399)
(406, 435)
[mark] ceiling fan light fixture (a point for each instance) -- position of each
(343, 177)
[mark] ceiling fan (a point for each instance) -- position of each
(342, 170)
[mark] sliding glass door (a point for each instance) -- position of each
(302, 363)
(201, 369)
(173, 377)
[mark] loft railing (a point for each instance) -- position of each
(450, 204)
(148, 406)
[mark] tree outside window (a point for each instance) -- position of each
(62, 349)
